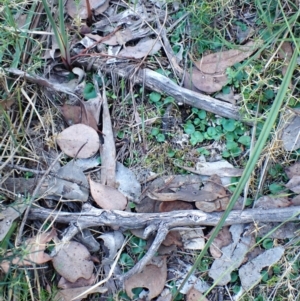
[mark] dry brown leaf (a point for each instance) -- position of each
(269, 202)
(195, 295)
(78, 114)
(173, 238)
(71, 293)
(33, 253)
(222, 239)
(208, 83)
(8, 216)
(219, 61)
(174, 206)
(79, 141)
(75, 8)
(107, 197)
(293, 170)
(73, 261)
(193, 239)
(217, 205)
(64, 283)
(152, 277)
(184, 195)
(285, 53)
(143, 47)
(294, 184)
(250, 273)
(108, 148)
(290, 132)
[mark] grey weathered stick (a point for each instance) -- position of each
(93, 217)
(161, 223)
(160, 83)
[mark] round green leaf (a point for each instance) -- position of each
(189, 128)
(245, 140)
(155, 97)
(268, 243)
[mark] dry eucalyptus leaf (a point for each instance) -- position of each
(79, 141)
(71, 293)
(113, 241)
(8, 216)
(294, 184)
(174, 206)
(73, 261)
(222, 239)
(193, 239)
(34, 250)
(293, 170)
(108, 148)
(219, 61)
(233, 256)
(285, 53)
(153, 277)
(208, 83)
(81, 282)
(79, 8)
(78, 114)
(290, 134)
(221, 168)
(173, 238)
(194, 295)
(142, 48)
(107, 197)
(250, 272)
(127, 183)
(269, 202)
(65, 188)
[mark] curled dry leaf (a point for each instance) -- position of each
(34, 251)
(73, 261)
(113, 241)
(107, 197)
(143, 47)
(223, 239)
(79, 141)
(219, 61)
(250, 272)
(152, 277)
(269, 202)
(72, 293)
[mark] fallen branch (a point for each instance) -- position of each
(161, 223)
(162, 84)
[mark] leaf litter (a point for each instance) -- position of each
(118, 184)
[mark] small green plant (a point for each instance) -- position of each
(60, 32)
(159, 136)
